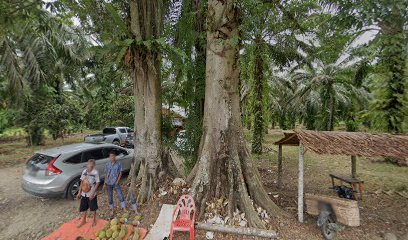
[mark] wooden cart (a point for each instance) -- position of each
(332, 212)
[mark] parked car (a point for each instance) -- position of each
(56, 171)
(114, 135)
(130, 140)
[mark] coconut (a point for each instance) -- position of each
(102, 234)
(114, 221)
(109, 233)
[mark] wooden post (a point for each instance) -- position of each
(300, 182)
(280, 166)
(353, 167)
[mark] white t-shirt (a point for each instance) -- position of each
(93, 178)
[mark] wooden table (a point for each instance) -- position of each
(352, 181)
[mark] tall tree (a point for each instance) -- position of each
(39, 53)
(326, 91)
(270, 37)
(224, 169)
(389, 49)
(130, 33)
(283, 110)
(146, 24)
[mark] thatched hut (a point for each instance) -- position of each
(340, 143)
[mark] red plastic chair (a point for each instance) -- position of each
(184, 216)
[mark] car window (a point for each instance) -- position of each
(107, 150)
(74, 159)
(109, 131)
(122, 130)
(121, 151)
(129, 130)
(118, 151)
(39, 161)
(92, 154)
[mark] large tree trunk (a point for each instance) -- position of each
(146, 20)
(331, 113)
(225, 169)
(147, 122)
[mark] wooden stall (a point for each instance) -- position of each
(355, 144)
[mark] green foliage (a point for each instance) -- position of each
(184, 74)
(387, 53)
(7, 119)
(327, 93)
(389, 107)
(269, 39)
(117, 111)
(62, 118)
(42, 112)
(40, 52)
(299, 64)
(193, 127)
(31, 119)
(105, 94)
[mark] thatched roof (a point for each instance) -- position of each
(349, 143)
(290, 139)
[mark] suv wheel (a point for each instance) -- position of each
(73, 188)
(116, 142)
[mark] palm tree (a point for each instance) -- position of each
(282, 91)
(38, 52)
(37, 48)
(269, 39)
(326, 91)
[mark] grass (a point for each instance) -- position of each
(16, 152)
(13, 132)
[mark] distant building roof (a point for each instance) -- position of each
(175, 110)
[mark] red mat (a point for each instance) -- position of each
(69, 230)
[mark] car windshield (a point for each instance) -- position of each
(109, 131)
(39, 161)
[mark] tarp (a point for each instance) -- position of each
(70, 231)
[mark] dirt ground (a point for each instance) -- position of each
(382, 210)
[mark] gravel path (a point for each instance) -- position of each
(24, 216)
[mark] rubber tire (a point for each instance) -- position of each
(116, 142)
(326, 232)
(71, 186)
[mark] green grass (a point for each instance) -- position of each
(13, 132)
(16, 152)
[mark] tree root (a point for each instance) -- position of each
(231, 175)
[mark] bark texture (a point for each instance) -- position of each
(146, 20)
(224, 169)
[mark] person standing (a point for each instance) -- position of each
(113, 174)
(87, 192)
